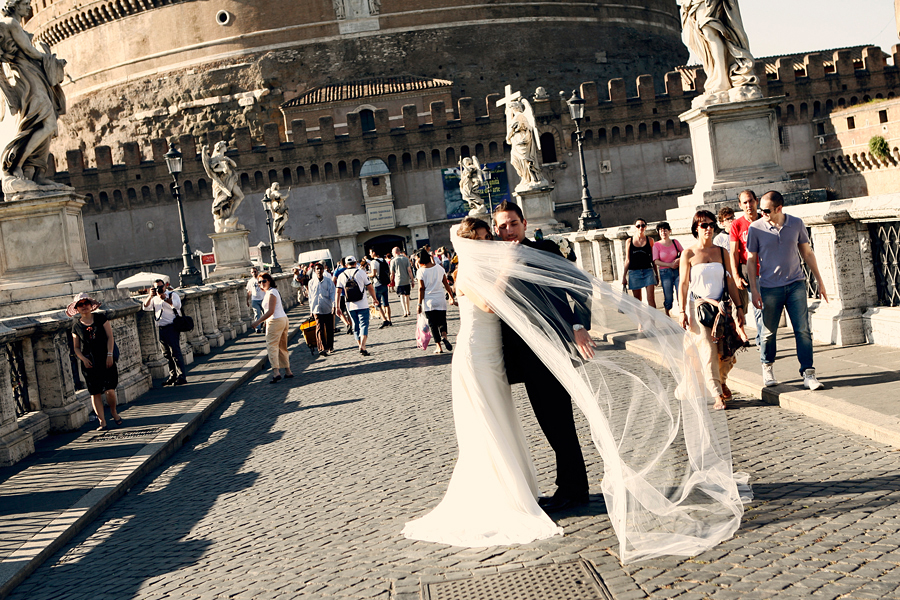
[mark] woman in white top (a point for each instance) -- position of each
(703, 272)
(276, 328)
(432, 284)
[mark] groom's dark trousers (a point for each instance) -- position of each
(550, 401)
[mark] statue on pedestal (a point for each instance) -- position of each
(714, 32)
(523, 135)
(30, 85)
(471, 177)
(278, 205)
(227, 194)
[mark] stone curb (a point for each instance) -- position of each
(834, 411)
(16, 567)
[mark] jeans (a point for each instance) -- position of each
(171, 343)
(360, 320)
(775, 300)
(668, 279)
(257, 310)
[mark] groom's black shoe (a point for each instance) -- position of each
(558, 502)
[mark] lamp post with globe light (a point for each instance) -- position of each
(588, 218)
(189, 274)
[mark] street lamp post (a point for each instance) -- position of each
(588, 218)
(189, 274)
(267, 205)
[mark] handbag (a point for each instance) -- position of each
(183, 323)
(708, 312)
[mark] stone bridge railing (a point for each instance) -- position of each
(40, 382)
(857, 246)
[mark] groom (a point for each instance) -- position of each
(550, 401)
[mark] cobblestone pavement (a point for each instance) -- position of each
(300, 489)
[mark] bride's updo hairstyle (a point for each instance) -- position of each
(470, 226)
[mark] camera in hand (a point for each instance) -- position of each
(160, 289)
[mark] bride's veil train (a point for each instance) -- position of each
(668, 482)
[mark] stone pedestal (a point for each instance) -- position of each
(538, 209)
(196, 337)
(210, 321)
(15, 443)
(151, 351)
(284, 250)
(232, 251)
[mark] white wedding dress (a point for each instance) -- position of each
(491, 498)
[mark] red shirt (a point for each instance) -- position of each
(738, 233)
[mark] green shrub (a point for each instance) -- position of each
(879, 148)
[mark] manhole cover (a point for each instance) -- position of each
(565, 581)
(111, 436)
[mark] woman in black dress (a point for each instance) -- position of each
(92, 337)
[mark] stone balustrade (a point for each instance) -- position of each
(40, 382)
(862, 307)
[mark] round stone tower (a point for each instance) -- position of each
(155, 68)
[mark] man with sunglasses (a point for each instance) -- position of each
(779, 241)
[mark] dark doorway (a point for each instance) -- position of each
(385, 244)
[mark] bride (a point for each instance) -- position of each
(668, 482)
(492, 496)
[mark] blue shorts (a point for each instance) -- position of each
(360, 320)
(641, 278)
(381, 292)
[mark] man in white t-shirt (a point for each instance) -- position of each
(255, 296)
(358, 309)
(163, 304)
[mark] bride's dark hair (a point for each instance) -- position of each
(470, 226)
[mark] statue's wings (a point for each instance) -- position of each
(478, 168)
(532, 124)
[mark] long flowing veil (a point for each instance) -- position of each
(667, 482)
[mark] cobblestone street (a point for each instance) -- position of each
(300, 489)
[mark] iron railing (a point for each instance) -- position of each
(885, 238)
(16, 361)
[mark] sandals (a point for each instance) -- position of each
(726, 393)
(102, 428)
(275, 379)
(720, 403)
(119, 421)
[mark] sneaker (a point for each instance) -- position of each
(181, 380)
(769, 375)
(350, 331)
(171, 380)
(389, 324)
(809, 380)
(385, 324)
(364, 352)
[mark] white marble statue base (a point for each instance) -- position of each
(284, 250)
(537, 206)
(232, 250)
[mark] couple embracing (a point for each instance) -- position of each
(525, 316)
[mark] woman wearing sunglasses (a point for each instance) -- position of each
(638, 272)
(276, 328)
(92, 340)
(704, 269)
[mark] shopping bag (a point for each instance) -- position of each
(423, 332)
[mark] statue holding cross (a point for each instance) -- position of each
(523, 136)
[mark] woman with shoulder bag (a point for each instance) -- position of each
(666, 256)
(92, 340)
(702, 293)
(276, 328)
(639, 271)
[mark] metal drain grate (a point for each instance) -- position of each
(127, 434)
(565, 581)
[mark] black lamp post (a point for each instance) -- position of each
(189, 274)
(588, 218)
(267, 205)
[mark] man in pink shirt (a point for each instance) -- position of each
(738, 238)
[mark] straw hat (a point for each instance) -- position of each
(72, 311)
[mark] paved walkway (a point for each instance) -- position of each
(301, 489)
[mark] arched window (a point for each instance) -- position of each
(421, 160)
(367, 120)
(188, 190)
(656, 129)
(629, 133)
(132, 197)
(301, 175)
(829, 105)
(854, 101)
(314, 173)
(407, 161)
(642, 131)
(260, 183)
(104, 200)
(117, 198)
(464, 152)
(492, 149)
(286, 176)
(273, 176)
(790, 111)
(616, 136)
(479, 149)
(342, 170)
(329, 172)
(817, 108)
(435, 158)
(451, 156)
(601, 136)
(160, 193)
(145, 195)
(841, 102)
(201, 188)
(589, 138)
(355, 167)
(548, 148)
(804, 111)
(392, 163)
(670, 128)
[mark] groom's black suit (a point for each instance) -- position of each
(550, 401)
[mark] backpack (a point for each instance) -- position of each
(352, 289)
(384, 272)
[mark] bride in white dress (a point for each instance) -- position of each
(492, 496)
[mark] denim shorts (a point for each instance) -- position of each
(381, 292)
(641, 278)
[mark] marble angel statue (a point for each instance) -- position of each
(30, 86)
(471, 177)
(714, 32)
(277, 202)
(523, 136)
(227, 194)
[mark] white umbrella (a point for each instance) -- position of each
(141, 280)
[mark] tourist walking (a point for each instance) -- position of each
(638, 272)
(322, 297)
(255, 295)
(779, 241)
(726, 219)
(401, 278)
(705, 269)
(165, 306)
(341, 309)
(380, 275)
(94, 345)
(276, 329)
(737, 237)
(666, 257)
(432, 301)
(353, 284)
(300, 281)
